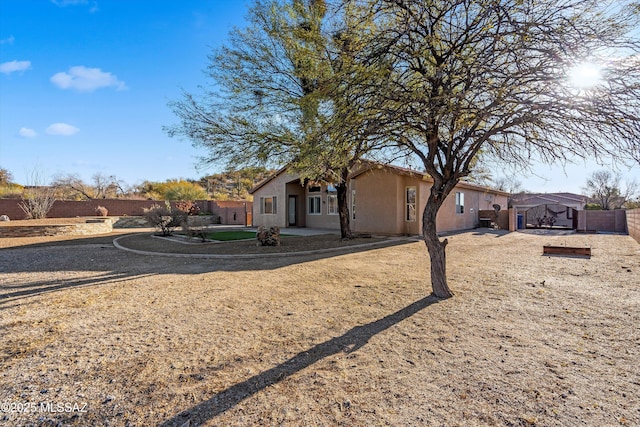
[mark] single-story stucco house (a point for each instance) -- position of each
(383, 199)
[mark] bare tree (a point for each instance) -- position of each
(107, 187)
(492, 76)
(72, 187)
(38, 198)
(509, 184)
(604, 188)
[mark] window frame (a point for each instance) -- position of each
(332, 204)
(274, 205)
(459, 203)
(353, 205)
(408, 205)
(311, 205)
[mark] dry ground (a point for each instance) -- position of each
(329, 340)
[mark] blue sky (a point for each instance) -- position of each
(84, 87)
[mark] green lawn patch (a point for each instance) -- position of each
(231, 235)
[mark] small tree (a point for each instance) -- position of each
(37, 199)
(165, 218)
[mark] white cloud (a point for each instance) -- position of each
(64, 3)
(27, 133)
(85, 79)
(8, 40)
(13, 66)
(62, 129)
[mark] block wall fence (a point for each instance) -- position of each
(613, 221)
(633, 223)
(230, 212)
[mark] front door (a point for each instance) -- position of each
(292, 207)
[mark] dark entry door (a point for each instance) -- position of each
(291, 211)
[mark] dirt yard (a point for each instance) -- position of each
(93, 335)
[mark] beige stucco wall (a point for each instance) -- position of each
(323, 220)
(380, 204)
(449, 220)
(276, 187)
(283, 186)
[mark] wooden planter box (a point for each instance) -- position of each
(566, 250)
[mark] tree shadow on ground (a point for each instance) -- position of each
(351, 341)
(94, 260)
(15, 293)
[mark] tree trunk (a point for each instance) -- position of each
(343, 206)
(436, 249)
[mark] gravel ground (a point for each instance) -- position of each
(93, 335)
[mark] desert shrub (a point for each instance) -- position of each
(101, 211)
(190, 208)
(37, 202)
(195, 230)
(165, 218)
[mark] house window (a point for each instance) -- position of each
(314, 189)
(353, 204)
(332, 204)
(459, 203)
(332, 200)
(314, 205)
(268, 205)
(410, 202)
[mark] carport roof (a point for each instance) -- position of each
(535, 199)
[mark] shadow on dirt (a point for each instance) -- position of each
(90, 261)
(351, 341)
